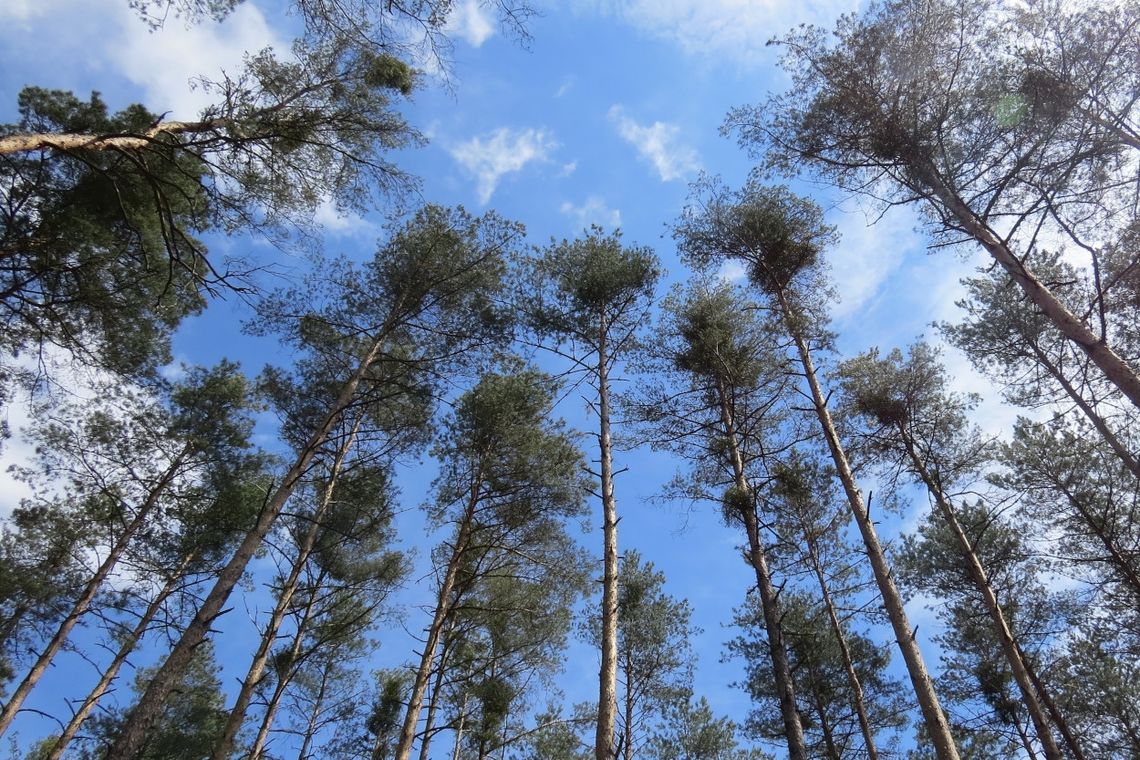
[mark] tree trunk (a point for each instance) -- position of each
(68, 142)
(459, 728)
(627, 735)
(604, 748)
(142, 717)
(314, 716)
(90, 591)
(1091, 415)
(112, 670)
(286, 676)
(443, 607)
(437, 689)
(224, 748)
(825, 728)
(844, 650)
(933, 716)
(981, 582)
(769, 599)
(1118, 372)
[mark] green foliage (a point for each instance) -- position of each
(822, 693)
(776, 234)
(692, 732)
(189, 723)
(89, 263)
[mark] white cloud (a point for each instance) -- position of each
(503, 151)
(732, 271)
(593, 211)
(565, 87)
(869, 252)
(658, 144)
(470, 22)
(334, 222)
(569, 168)
(164, 62)
(736, 29)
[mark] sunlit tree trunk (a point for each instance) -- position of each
(932, 713)
(604, 748)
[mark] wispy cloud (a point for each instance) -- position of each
(735, 30)
(658, 144)
(501, 152)
(593, 211)
(869, 252)
(470, 22)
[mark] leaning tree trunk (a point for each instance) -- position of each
(443, 607)
(935, 719)
(981, 581)
(286, 676)
(89, 592)
(769, 598)
(844, 650)
(142, 717)
(1122, 453)
(313, 723)
(1118, 371)
(436, 691)
(224, 748)
(112, 671)
(604, 748)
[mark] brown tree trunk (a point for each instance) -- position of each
(443, 607)
(769, 601)
(981, 582)
(112, 670)
(224, 748)
(933, 716)
(1118, 371)
(844, 650)
(90, 591)
(604, 748)
(142, 717)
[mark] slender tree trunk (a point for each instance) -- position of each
(459, 728)
(443, 607)
(769, 597)
(1118, 371)
(314, 716)
(826, 730)
(437, 689)
(1047, 700)
(90, 591)
(1091, 415)
(142, 717)
(981, 582)
(933, 716)
(286, 676)
(844, 650)
(1026, 741)
(627, 735)
(112, 670)
(224, 748)
(604, 748)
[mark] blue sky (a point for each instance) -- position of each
(602, 118)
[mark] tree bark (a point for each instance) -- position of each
(314, 717)
(1091, 415)
(90, 591)
(142, 717)
(437, 689)
(933, 716)
(443, 607)
(112, 670)
(604, 748)
(286, 676)
(981, 582)
(844, 650)
(1118, 371)
(224, 748)
(769, 600)
(68, 141)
